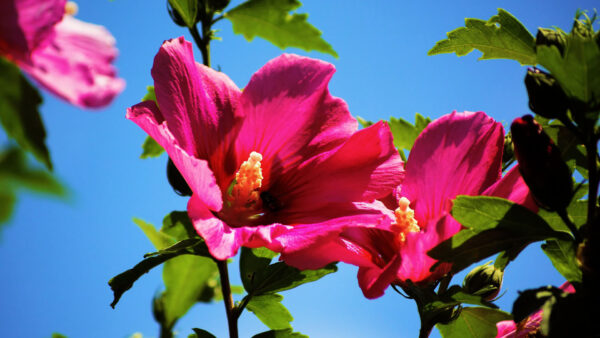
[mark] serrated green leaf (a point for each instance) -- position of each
(501, 37)
(200, 333)
(178, 225)
(151, 148)
(271, 20)
(577, 211)
(19, 115)
(252, 264)
(158, 239)
(562, 254)
(280, 277)
(150, 95)
(364, 123)
(406, 133)
(280, 334)
(187, 9)
(492, 225)
(270, 311)
(578, 71)
(475, 322)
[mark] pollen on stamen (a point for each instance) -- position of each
(71, 8)
(248, 181)
(405, 220)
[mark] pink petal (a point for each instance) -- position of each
(374, 281)
(196, 172)
(459, 153)
(365, 167)
(199, 105)
(512, 187)
(290, 115)
(26, 25)
(76, 64)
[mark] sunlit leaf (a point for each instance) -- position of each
(272, 21)
(474, 322)
(288, 333)
(200, 333)
(501, 37)
(563, 253)
(19, 115)
(270, 311)
(405, 133)
(492, 225)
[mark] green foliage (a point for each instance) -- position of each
(456, 295)
(200, 333)
(492, 225)
(151, 148)
(577, 212)
(187, 10)
(150, 95)
(501, 37)
(19, 115)
(571, 149)
(58, 335)
(287, 333)
(563, 253)
(15, 174)
(270, 311)
(474, 322)
(270, 20)
(259, 277)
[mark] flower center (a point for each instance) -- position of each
(405, 220)
(248, 180)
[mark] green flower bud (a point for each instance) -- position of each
(508, 153)
(541, 165)
(484, 280)
(217, 5)
(546, 97)
(550, 37)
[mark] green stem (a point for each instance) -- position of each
(228, 299)
(203, 45)
(425, 330)
(165, 332)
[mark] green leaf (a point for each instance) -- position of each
(151, 148)
(501, 37)
(578, 71)
(7, 203)
(270, 311)
(280, 277)
(563, 253)
(474, 322)
(150, 95)
(187, 9)
(58, 335)
(406, 133)
(158, 239)
(577, 211)
(492, 225)
(571, 151)
(456, 295)
(19, 115)
(271, 20)
(252, 263)
(288, 333)
(177, 224)
(200, 333)
(364, 123)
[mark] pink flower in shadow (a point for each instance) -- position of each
(529, 326)
(458, 154)
(70, 58)
(279, 164)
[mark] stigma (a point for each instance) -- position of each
(405, 220)
(248, 181)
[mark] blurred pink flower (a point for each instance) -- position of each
(458, 154)
(529, 326)
(70, 58)
(279, 164)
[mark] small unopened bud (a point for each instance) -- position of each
(508, 153)
(541, 166)
(484, 280)
(177, 181)
(550, 37)
(546, 97)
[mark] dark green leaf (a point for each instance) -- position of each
(529, 301)
(19, 115)
(187, 9)
(288, 333)
(177, 224)
(508, 256)
(492, 225)
(151, 148)
(272, 21)
(562, 253)
(577, 211)
(456, 295)
(474, 322)
(571, 151)
(270, 311)
(578, 71)
(7, 203)
(280, 277)
(58, 335)
(252, 263)
(199, 333)
(501, 37)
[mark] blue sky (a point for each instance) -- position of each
(56, 256)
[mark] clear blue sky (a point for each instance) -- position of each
(56, 256)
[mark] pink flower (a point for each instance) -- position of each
(279, 164)
(70, 58)
(529, 326)
(458, 154)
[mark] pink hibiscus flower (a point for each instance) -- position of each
(279, 164)
(70, 58)
(529, 326)
(458, 154)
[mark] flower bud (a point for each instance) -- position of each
(550, 37)
(541, 165)
(484, 280)
(177, 181)
(217, 5)
(508, 153)
(546, 97)
(175, 16)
